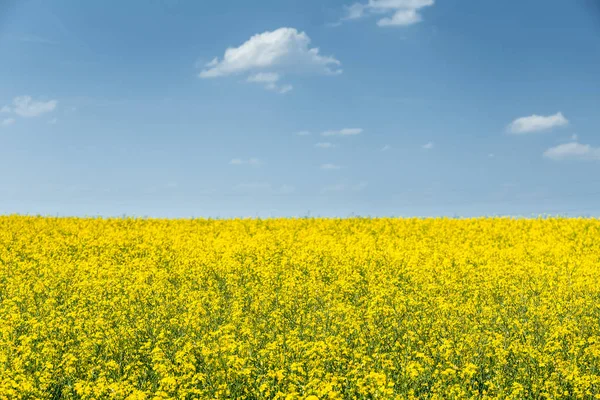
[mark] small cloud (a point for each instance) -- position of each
(324, 145)
(574, 137)
(303, 133)
(345, 187)
(401, 18)
(573, 151)
(537, 123)
(7, 121)
(254, 161)
(386, 147)
(267, 56)
(343, 132)
(53, 121)
(264, 77)
(270, 79)
(330, 167)
(397, 12)
(25, 106)
(428, 146)
(250, 161)
(491, 155)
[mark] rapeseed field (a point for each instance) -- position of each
(299, 308)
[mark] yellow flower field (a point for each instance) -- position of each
(299, 308)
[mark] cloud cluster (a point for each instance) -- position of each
(393, 12)
(267, 56)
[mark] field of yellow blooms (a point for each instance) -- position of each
(299, 308)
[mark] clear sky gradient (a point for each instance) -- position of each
(321, 108)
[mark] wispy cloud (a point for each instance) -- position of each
(250, 161)
(303, 133)
(394, 12)
(25, 106)
(270, 79)
(343, 132)
(7, 121)
(428, 146)
(573, 151)
(330, 167)
(537, 123)
(35, 39)
(324, 145)
(386, 147)
(53, 121)
(267, 56)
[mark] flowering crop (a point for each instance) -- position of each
(299, 308)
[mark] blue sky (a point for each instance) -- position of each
(336, 108)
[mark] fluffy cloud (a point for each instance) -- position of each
(250, 161)
(324, 145)
(25, 106)
(397, 12)
(7, 121)
(343, 132)
(537, 123)
(573, 150)
(267, 56)
(428, 146)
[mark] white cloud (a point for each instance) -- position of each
(397, 12)
(402, 17)
(330, 167)
(345, 187)
(270, 79)
(574, 137)
(264, 77)
(428, 146)
(386, 147)
(250, 161)
(25, 106)
(53, 121)
(343, 132)
(324, 145)
(303, 133)
(269, 55)
(573, 150)
(536, 123)
(7, 121)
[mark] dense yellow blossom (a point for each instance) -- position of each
(299, 308)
